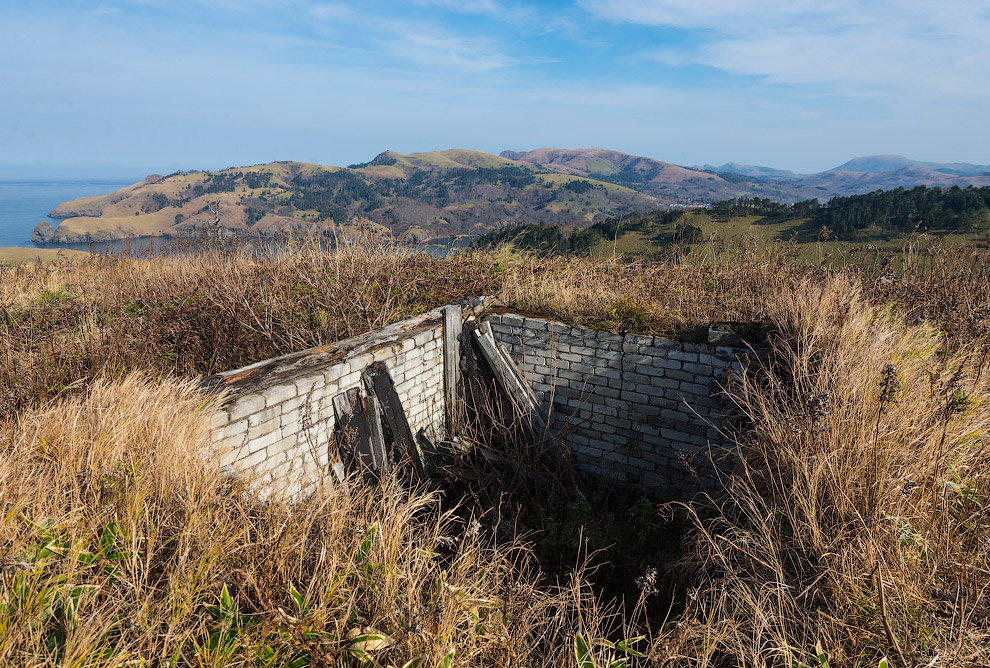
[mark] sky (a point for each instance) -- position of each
(129, 87)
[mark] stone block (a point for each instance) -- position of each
(633, 359)
(249, 462)
(682, 356)
(699, 369)
(666, 363)
(264, 436)
(264, 416)
(664, 383)
(246, 405)
(233, 430)
(694, 389)
(219, 420)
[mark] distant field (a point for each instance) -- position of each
(809, 244)
(17, 255)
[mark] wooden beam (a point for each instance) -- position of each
(452, 322)
(378, 451)
(512, 383)
(354, 432)
(377, 377)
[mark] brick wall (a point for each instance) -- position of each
(643, 411)
(275, 428)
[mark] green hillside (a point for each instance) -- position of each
(420, 195)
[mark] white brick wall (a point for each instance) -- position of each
(270, 436)
(640, 410)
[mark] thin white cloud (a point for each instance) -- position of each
(849, 46)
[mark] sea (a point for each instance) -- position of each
(24, 204)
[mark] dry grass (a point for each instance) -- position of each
(858, 520)
(64, 324)
(121, 546)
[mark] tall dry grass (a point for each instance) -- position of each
(120, 545)
(857, 521)
(64, 324)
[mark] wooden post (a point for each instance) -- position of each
(452, 319)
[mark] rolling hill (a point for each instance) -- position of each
(420, 195)
(463, 192)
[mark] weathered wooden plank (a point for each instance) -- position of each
(452, 323)
(378, 452)
(377, 377)
(354, 430)
(515, 372)
(511, 382)
(288, 367)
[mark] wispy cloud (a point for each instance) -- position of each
(852, 47)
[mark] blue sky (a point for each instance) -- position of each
(129, 87)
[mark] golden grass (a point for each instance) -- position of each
(19, 255)
(120, 545)
(857, 519)
(854, 528)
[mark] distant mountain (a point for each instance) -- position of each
(669, 182)
(751, 170)
(877, 164)
(421, 195)
(462, 192)
(847, 182)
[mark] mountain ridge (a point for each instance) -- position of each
(457, 192)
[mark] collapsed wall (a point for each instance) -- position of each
(276, 426)
(638, 411)
(643, 411)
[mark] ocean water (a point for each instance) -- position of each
(23, 204)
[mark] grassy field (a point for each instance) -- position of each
(854, 531)
(19, 255)
(809, 245)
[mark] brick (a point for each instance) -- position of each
(246, 405)
(219, 420)
(511, 320)
(666, 363)
(249, 462)
(639, 339)
(665, 383)
(695, 389)
(263, 417)
(618, 422)
(682, 356)
(265, 435)
(279, 393)
(698, 369)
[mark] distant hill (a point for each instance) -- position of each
(665, 180)
(751, 170)
(876, 164)
(421, 195)
(464, 192)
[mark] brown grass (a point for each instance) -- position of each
(120, 545)
(856, 522)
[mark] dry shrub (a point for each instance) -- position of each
(120, 546)
(64, 324)
(858, 520)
